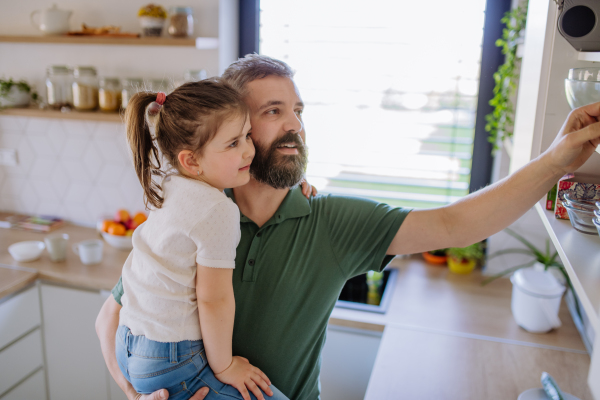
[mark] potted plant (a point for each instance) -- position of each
(16, 94)
(463, 260)
(438, 257)
(546, 258)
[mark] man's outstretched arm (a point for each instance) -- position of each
(487, 211)
(107, 323)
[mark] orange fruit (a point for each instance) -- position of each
(117, 229)
(137, 220)
(122, 216)
(106, 224)
(129, 232)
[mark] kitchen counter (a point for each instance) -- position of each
(444, 335)
(70, 272)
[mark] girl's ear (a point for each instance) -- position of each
(188, 161)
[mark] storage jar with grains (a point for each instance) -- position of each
(181, 22)
(130, 87)
(85, 88)
(110, 94)
(59, 79)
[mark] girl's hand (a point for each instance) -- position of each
(243, 376)
(307, 189)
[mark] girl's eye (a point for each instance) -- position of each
(248, 135)
(234, 144)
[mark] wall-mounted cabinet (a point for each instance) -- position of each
(541, 111)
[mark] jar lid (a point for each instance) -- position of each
(180, 10)
(84, 70)
(110, 81)
(537, 282)
(58, 69)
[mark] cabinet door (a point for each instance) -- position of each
(18, 315)
(347, 361)
(74, 361)
(19, 360)
(34, 388)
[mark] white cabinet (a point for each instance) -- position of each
(73, 358)
(347, 361)
(21, 355)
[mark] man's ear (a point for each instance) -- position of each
(189, 162)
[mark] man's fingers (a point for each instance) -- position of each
(254, 389)
(161, 394)
(200, 394)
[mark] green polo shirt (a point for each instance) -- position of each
(290, 272)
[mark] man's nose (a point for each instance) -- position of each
(293, 124)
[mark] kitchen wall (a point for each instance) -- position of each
(81, 170)
(77, 170)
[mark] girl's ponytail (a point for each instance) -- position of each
(146, 158)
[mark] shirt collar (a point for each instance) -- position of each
(294, 205)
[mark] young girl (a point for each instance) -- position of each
(176, 324)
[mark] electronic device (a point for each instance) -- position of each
(579, 23)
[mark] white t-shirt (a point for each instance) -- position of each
(196, 224)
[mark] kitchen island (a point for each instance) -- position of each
(444, 335)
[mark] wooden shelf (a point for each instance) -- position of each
(200, 43)
(580, 254)
(77, 115)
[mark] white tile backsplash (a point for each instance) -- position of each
(76, 170)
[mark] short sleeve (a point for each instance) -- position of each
(217, 236)
(361, 231)
(117, 291)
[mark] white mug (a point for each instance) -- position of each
(57, 246)
(89, 251)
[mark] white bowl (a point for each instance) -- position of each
(585, 74)
(26, 251)
(540, 394)
(119, 242)
(581, 93)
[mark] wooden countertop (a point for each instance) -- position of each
(70, 272)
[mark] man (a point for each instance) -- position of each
(296, 253)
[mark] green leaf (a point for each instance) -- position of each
(507, 271)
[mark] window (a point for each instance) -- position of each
(390, 89)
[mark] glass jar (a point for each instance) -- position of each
(195, 75)
(85, 88)
(59, 79)
(130, 87)
(181, 22)
(109, 95)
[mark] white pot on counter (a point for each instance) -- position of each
(536, 298)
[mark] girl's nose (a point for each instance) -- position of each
(249, 150)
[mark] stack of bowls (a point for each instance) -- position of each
(583, 86)
(596, 220)
(581, 214)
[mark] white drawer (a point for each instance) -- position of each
(18, 315)
(34, 388)
(20, 359)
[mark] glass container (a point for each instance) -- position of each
(181, 22)
(130, 87)
(195, 75)
(109, 95)
(59, 79)
(85, 88)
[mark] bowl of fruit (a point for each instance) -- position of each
(118, 231)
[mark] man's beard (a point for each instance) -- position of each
(280, 171)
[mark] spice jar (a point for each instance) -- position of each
(109, 95)
(130, 87)
(85, 88)
(58, 86)
(181, 22)
(194, 75)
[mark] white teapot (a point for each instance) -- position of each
(52, 21)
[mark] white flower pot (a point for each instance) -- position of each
(15, 98)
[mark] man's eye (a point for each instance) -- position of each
(272, 112)
(299, 112)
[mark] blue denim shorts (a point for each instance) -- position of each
(179, 367)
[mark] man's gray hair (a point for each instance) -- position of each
(254, 66)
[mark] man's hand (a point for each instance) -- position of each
(243, 376)
(163, 394)
(576, 141)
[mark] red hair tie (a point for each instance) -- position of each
(161, 97)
